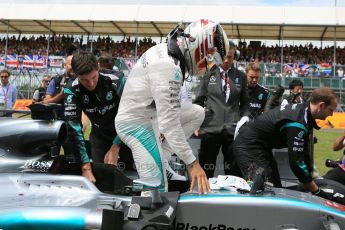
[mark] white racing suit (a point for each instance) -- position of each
(150, 106)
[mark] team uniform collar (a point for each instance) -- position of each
(311, 120)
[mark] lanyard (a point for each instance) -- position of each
(7, 89)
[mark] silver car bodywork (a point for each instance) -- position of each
(41, 201)
(278, 209)
(35, 201)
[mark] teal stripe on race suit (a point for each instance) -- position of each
(146, 136)
(68, 91)
(303, 166)
(120, 86)
(117, 140)
(294, 124)
(77, 127)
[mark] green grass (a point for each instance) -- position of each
(87, 132)
(323, 149)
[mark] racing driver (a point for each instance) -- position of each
(152, 90)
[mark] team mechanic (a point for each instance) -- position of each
(257, 94)
(152, 90)
(285, 126)
(98, 97)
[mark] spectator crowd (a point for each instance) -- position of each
(299, 54)
(59, 44)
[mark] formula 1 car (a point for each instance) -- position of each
(33, 196)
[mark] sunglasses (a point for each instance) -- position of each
(4, 76)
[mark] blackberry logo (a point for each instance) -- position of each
(187, 226)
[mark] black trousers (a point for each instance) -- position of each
(209, 148)
(101, 143)
(250, 161)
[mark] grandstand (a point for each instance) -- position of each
(90, 26)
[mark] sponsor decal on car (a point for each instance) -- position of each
(187, 226)
(40, 165)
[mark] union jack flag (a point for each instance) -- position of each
(12, 61)
(40, 61)
(28, 61)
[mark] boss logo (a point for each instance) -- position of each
(37, 164)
